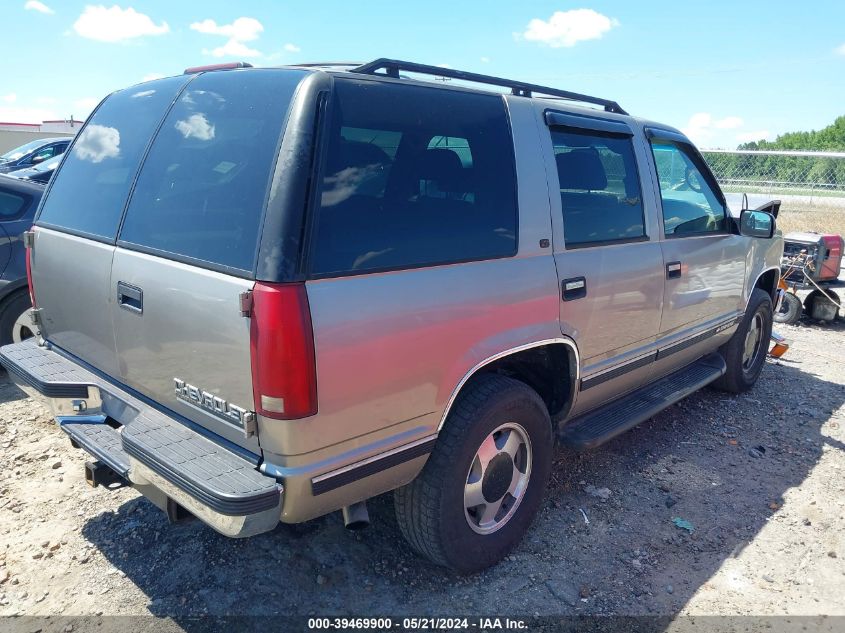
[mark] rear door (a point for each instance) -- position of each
(187, 248)
(76, 228)
(607, 253)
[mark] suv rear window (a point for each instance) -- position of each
(414, 176)
(89, 193)
(202, 188)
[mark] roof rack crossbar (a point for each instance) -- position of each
(392, 67)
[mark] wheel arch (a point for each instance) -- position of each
(540, 365)
(9, 289)
(767, 281)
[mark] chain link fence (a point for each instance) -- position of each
(811, 185)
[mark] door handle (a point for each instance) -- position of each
(573, 288)
(673, 270)
(130, 297)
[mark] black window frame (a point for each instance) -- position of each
(691, 151)
(314, 204)
(602, 128)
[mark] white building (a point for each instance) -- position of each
(13, 135)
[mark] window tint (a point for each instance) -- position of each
(599, 187)
(201, 191)
(689, 203)
(11, 204)
(414, 176)
(89, 192)
(23, 150)
(44, 154)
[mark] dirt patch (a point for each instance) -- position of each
(719, 505)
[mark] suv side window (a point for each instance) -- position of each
(11, 204)
(89, 192)
(414, 176)
(44, 154)
(690, 205)
(599, 187)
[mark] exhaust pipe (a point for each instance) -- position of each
(356, 517)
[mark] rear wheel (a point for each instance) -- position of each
(790, 310)
(485, 480)
(745, 352)
(15, 325)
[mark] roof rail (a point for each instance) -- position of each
(327, 64)
(519, 88)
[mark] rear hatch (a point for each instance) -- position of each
(149, 236)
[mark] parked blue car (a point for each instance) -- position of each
(18, 201)
(33, 153)
(41, 173)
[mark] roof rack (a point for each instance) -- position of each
(519, 88)
(327, 64)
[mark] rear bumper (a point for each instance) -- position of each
(163, 458)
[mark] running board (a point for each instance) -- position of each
(597, 427)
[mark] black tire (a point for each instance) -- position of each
(14, 306)
(430, 510)
(818, 295)
(742, 375)
(790, 311)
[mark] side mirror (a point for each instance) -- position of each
(38, 158)
(754, 223)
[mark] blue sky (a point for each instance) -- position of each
(723, 71)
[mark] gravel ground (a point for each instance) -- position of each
(757, 479)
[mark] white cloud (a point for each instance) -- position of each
(840, 50)
(115, 24)
(34, 5)
(98, 142)
(46, 100)
(240, 31)
(85, 106)
(699, 128)
(705, 130)
(22, 114)
(291, 48)
(232, 48)
(747, 137)
(729, 123)
(485, 60)
(567, 28)
(9, 98)
(196, 126)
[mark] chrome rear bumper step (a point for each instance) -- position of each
(150, 448)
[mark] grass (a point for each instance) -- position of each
(812, 218)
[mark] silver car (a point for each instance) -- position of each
(265, 295)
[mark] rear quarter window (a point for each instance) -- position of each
(12, 204)
(201, 192)
(89, 192)
(414, 176)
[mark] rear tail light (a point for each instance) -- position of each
(284, 372)
(28, 239)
